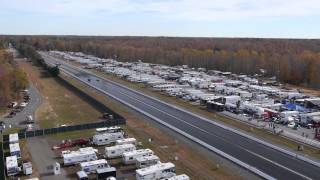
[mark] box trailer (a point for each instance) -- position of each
(130, 157)
(146, 161)
(92, 166)
(12, 165)
(118, 150)
(106, 173)
(179, 177)
(156, 172)
(13, 138)
(75, 157)
(106, 138)
(27, 168)
(126, 141)
(15, 150)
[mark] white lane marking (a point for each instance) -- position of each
(279, 165)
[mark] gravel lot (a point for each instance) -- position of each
(43, 158)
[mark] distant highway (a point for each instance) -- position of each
(268, 160)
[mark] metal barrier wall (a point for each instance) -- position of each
(43, 132)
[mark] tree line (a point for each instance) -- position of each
(28, 51)
(12, 78)
(294, 61)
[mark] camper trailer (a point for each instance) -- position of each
(158, 171)
(76, 157)
(12, 165)
(146, 161)
(118, 150)
(106, 173)
(13, 138)
(80, 150)
(106, 138)
(92, 166)
(179, 177)
(130, 157)
(15, 150)
(126, 141)
(112, 129)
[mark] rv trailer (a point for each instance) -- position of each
(126, 141)
(130, 157)
(92, 166)
(156, 172)
(146, 161)
(106, 138)
(118, 150)
(76, 157)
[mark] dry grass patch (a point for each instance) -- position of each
(60, 104)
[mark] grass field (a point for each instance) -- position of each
(60, 104)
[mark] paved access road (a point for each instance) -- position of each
(266, 159)
(18, 120)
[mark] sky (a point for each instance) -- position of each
(191, 18)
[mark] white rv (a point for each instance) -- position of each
(80, 150)
(179, 177)
(146, 161)
(126, 141)
(15, 150)
(112, 129)
(12, 165)
(156, 172)
(130, 157)
(92, 166)
(13, 138)
(75, 157)
(118, 150)
(106, 138)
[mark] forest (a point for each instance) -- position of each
(294, 61)
(12, 78)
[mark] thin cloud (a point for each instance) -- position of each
(187, 10)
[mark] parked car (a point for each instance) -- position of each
(12, 105)
(29, 127)
(291, 124)
(29, 119)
